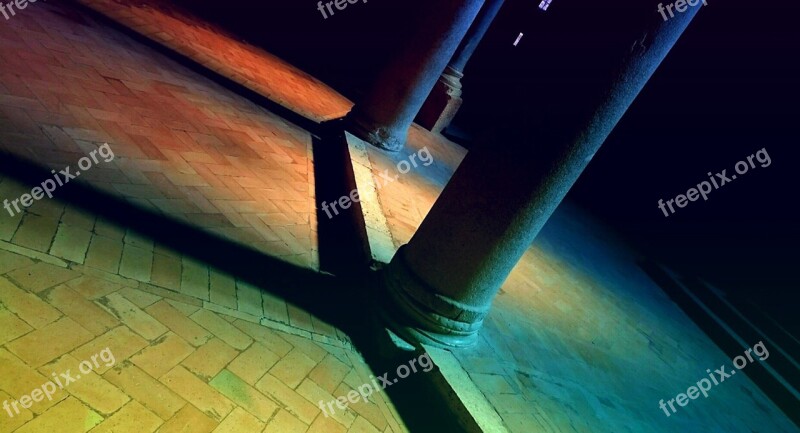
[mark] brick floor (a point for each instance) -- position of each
(184, 147)
(191, 345)
(250, 66)
(176, 367)
(130, 260)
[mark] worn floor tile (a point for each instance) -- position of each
(11, 326)
(86, 313)
(253, 363)
(145, 389)
(178, 323)
(132, 316)
(50, 342)
(121, 341)
(240, 421)
(27, 306)
(295, 403)
(222, 329)
(244, 395)
(133, 418)
(71, 243)
(293, 368)
(189, 420)
(284, 422)
(200, 394)
(69, 415)
(163, 354)
(94, 391)
(18, 379)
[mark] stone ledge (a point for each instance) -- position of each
(463, 400)
(381, 243)
(467, 402)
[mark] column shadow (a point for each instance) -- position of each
(345, 300)
(342, 232)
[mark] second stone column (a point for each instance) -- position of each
(383, 116)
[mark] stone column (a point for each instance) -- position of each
(384, 115)
(440, 286)
(445, 99)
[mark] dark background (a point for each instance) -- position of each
(728, 89)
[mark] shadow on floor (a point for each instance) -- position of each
(340, 300)
(340, 295)
(343, 242)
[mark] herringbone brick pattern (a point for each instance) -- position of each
(185, 147)
(178, 367)
(70, 236)
(192, 352)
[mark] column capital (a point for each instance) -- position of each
(451, 77)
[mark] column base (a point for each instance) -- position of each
(374, 133)
(443, 103)
(414, 311)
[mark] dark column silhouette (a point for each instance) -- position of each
(445, 99)
(384, 115)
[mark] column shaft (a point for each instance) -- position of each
(441, 285)
(444, 101)
(475, 34)
(384, 115)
